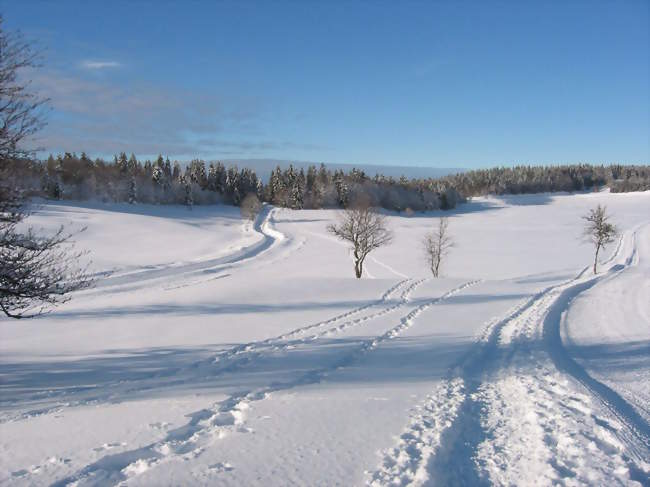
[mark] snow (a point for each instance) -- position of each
(606, 329)
(218, 351)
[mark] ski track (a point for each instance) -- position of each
(388, 268)
(134, 279)
(516, 403)
(513, 405)
(228, 416)
(240, 355)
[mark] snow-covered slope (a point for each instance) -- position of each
(606, 328)
(214, 351)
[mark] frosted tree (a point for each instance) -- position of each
(216, 178)
(189, 197)
(342, 190)
(122, 163)
(158, 175)
(311, 178)
(297, 190)
(250, 206)
(259, 189)
(212, 178)
(365, 230)
(173, 173)
(132, 164)
(599, 230)
(197, 174)
(276, 187)
(437, 244)
(133, 190)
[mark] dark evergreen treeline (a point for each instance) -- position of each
(538, 179)
(126, 179)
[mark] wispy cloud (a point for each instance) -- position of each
(100, 64)
(102, 117)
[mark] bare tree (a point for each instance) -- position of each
(599, 230)
(20, 109)
(35, 271)
(365, 229)
(250, 206)
(437, 244)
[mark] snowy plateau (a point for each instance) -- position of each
(218, 351)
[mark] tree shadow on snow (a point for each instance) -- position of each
(172, 212)
(210, 308)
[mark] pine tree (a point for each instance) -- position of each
(197, 173)
(132, 164)
(342, 190)
(260, 190)
(189, 197)
(168, 170)
(122, 163)
(296, 195)
(311, 178)
(133, 195)
(220, 178)
(276, 186)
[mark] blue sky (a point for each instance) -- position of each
(443, 84)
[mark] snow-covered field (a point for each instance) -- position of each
(214, 351)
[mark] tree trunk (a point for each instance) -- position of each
(596, 258)
(358, 264)
(358, 268)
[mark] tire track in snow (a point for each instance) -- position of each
(209, 425)
(442, 431)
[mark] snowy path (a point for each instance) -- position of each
(211, 424)
(264, 362)
(605, 330)
(516, 406)
(196, 272)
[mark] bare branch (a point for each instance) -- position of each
(36, 271)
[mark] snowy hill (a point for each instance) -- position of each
(214, 351)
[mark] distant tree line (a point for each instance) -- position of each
(538, 179)
(127, 179)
